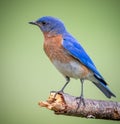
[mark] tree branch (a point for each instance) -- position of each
(66, 104)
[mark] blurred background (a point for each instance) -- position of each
(26, 74)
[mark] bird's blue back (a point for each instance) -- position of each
(76, 50)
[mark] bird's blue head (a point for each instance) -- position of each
(50, 25)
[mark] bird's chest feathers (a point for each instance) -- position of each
(53, 47)
(63, 61)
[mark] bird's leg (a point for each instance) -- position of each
(81, 98)
(67, 81)
(62, 90)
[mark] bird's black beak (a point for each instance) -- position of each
(33, 23)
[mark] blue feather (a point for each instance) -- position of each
(76, 50)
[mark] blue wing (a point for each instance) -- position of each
(77, 51)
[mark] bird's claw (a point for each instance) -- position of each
(80, 100)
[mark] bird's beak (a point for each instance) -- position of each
(33, 23)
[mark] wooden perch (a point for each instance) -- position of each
(66, 104)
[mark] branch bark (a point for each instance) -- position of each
(66, 104)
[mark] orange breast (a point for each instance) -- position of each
(55, 51)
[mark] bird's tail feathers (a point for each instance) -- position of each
(102, 85)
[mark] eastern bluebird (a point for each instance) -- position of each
(68, 56)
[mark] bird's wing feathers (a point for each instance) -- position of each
(75, 49)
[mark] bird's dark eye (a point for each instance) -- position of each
(44, 23)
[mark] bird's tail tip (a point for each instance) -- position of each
(105, 89)
(102, 85)
(109, 94)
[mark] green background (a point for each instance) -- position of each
(26, 74)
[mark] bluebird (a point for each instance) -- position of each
(68, 56)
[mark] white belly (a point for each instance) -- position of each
(71, 69)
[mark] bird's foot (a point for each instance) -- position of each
(80, 100)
